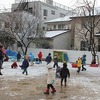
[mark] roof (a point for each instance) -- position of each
(66, 18)
(97, 34)
(51, 34)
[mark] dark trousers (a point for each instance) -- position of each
(83, 68)
(55, 64)
(50, 86)
(25, 70)
(40, 60)
(65, 80)
(79, 68)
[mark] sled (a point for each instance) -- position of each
(94, 65)
(74, 65)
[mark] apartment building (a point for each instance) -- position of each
(44, 9)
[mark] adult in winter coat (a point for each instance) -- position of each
(1, 59)
(64, 73)
(50, 79)
(48, 58)
(40, 56)
(79, 64)
(83, 62)
(25, 65)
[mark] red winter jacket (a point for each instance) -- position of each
(40, 55)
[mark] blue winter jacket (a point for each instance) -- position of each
(25, 64)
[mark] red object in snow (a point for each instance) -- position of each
(74, 65)
(14, 65)
(94, 65)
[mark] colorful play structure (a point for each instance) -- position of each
(62, 55)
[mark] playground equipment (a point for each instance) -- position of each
(62, 55)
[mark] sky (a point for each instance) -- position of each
(70, 3)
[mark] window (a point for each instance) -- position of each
(98, 44)
(84, 45)
(30, 10)
(61, 26)
(45, 12)
(7, 24)
(52, 12)
(54, 26)
(0, 25)
(16, 26)
(62, 15)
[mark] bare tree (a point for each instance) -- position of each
(89, 25)
(23, 25)
(6, 39)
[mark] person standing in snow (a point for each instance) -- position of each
(40, 57)
(55, 61)
(79, 64)
(25, 65)
(1, 58)
(18, 56)
(83, 62)
(31, 58)
(50, 80)
(48, 58)
(64, 73)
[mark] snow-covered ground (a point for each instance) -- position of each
(89, 78)
(39, 69)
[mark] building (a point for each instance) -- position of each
(82, 32)
(44, 9)
(78, 38)
(59, 33)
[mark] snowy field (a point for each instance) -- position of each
(89, 79)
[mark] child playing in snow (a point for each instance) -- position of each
(64, 73)
(79, 64)
(25, 65)
(14, 65)
(48, 58)
(50, 80)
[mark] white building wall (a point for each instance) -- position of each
(62, 41)
(72, 54)
(50, 8)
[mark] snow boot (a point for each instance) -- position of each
(65, 84)
(47, 91)
(53, 90)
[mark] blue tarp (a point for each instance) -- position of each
(11, 53)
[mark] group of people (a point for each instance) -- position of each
(64, 73)
(81, 62)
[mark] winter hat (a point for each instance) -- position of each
(49, 66)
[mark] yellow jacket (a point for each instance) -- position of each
(79, 63)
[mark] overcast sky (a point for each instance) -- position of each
(70, 3)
